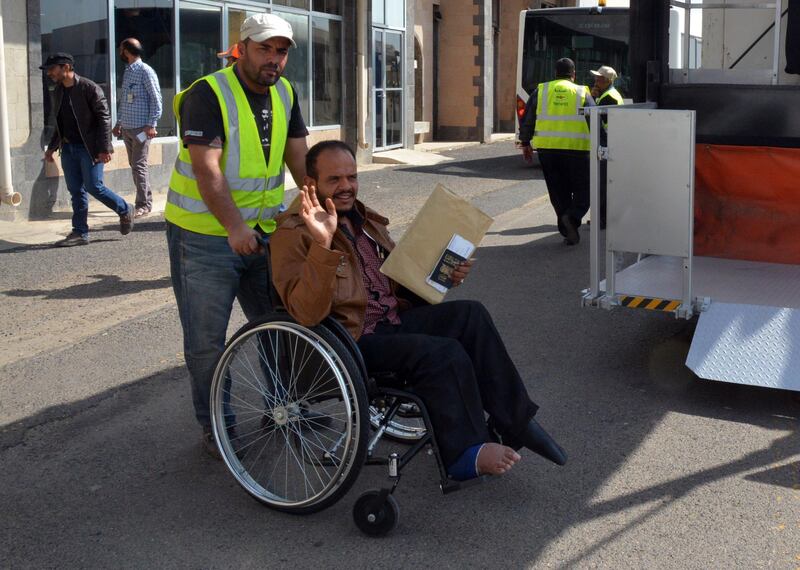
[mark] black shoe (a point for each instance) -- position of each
(571, 230)
(537, 440)
(126, 221)
(561, 229)
(210, 443)
(72, 239)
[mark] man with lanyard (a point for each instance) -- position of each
(239, 126)
(604, 94)
(138, 114)
(561, 138)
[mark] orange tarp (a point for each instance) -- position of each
(747, 203)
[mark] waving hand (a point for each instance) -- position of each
(321, 222)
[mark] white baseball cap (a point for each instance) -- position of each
(262, 27)
(605, 71)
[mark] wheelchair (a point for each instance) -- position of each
(296, 416)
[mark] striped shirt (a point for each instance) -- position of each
(382, 306)
(140, 102)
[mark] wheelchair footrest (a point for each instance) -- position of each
(450, 486)
(377, 461)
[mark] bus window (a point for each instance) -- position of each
(589, 38)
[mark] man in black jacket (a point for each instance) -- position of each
(83, 135)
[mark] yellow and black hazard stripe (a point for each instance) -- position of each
(649, 303)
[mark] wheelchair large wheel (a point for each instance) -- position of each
(289, 411)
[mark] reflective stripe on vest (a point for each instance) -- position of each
(199, 207)
(558, 125)
(256, 187)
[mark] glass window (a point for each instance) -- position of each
(328, 6)
(394, 117)
(590, 40)
(201, 39)
(235, 18)
(379, 96)
(292, 4)
(297, 67)
(150, 21)
(327, 58)
(378, 72)
(378, 12)
(396, 13)
(80, 29)
(717, 45)
(394, 59)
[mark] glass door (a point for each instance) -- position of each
(200, 40)
(387, 47)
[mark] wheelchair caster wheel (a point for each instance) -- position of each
(375, 521)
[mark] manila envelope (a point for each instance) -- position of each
(443, 214)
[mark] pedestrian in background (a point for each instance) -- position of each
(604, 94)
(83, 137)
(561, 138)
(137, 116)
(603, 90)
(240, 127)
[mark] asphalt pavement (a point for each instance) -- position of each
(100, 462)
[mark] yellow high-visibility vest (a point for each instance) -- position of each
(614, 94)
(558, 124)
(256, 187)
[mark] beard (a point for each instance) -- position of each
(260, 75)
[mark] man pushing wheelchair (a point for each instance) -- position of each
(326, 258)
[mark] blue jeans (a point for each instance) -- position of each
(206, 277)
(82, 175)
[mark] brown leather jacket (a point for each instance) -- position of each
(314, 282)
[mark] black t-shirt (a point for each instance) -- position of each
(201, 117)
(67, 125)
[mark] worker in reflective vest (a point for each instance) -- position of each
(561, 138)
(603, 91)
(604, 94)
(240, 127)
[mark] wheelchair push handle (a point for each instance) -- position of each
(275, 300)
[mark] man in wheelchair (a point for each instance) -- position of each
(326, 258)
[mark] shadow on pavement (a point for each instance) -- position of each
(511, 167)
(546, 229)
(153, 223)
(105, 286)
(12, 247)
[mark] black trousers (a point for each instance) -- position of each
(566, 174)
(452, 357)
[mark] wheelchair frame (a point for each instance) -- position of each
(375, 512)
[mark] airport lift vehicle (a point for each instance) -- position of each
(702, 184)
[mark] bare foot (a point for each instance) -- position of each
(496, 459)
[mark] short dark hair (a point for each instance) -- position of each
(319, 148)
(565, 67)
